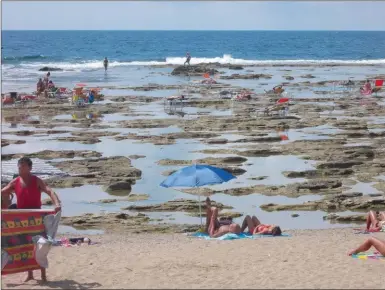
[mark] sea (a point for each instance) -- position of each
(80, 54)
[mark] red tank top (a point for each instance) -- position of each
(28, 197)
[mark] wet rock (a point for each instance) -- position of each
(93, 134)
(48, 69)
(294, 215)
(308, 76)
(82, 140)
(149, 123)
(121, 222)
(121, 188)
(233, 170)
(23, 133)
(258, 178)
(318, 173)
(289, 78)
(246, 77)
(6, 142)
(49, 154)
(136, 156)
(380, 186)
(190, 135)
(345, 219)
(216, 141)
(340, 202)
(156, 140)
(109, 200)
(208, 160)
(181, 205)
(322, 187)
(137, 197)
(258, 139)
(193, 70)
(101, 171)
(235, 67)
(259, 153)
(338, 164)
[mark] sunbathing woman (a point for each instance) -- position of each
(375, 221)
(255, 227)
(216, 228)
(379, 245)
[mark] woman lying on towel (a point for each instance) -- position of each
(379, 245)
(375, 221)
(255, 227)
(216, 228)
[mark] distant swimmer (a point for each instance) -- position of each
(105, 63)
(188, 58)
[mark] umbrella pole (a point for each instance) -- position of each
(200, 208)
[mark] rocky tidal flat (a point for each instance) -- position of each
(325, 159)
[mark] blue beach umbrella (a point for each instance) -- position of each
(196, 176)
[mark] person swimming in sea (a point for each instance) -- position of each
(188, 58)
(105, 63)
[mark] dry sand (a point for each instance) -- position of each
(308, 259)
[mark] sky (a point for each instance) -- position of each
(200, 15)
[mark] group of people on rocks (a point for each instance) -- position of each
(44, 85)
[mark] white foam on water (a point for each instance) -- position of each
(225, 59)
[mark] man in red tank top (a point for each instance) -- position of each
(28, 188)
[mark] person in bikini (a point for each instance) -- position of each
(256, 227)
(28, 188)
(216, 228)
(378, 244)
(375, 221)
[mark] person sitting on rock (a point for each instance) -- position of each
(217, 228)
(256, 227)
(278, 90)
(378, 244)
(51, 86)
(375, 221)
(367, 88)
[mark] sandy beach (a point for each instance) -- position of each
(307, 259)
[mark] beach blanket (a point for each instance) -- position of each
(366, 232)
(231, 236)
(375, 256)
(25, 239)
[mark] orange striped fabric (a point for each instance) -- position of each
(17, 230)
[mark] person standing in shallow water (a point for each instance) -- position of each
(188, 58)
(105, 63)
(28, 188)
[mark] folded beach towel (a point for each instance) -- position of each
(231, 236)
(375, 256)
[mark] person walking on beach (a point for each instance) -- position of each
(188, 58)
(28, 188)
(105, 63)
